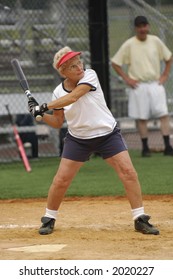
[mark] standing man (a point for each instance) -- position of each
(143, 54)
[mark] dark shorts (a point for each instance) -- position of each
(81, 149)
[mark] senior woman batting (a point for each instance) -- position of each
(91, 129)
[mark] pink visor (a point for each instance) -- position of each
(66, 57)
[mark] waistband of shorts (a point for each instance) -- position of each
(68, 134)
(148, 82)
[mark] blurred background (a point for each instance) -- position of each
(34, 30)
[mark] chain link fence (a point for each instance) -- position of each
(32, 31)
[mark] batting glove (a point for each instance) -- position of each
(44, 108)
(31, 104)
(39, 110)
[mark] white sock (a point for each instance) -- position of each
(137, 212)
(51, 213)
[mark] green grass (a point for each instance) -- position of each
(95, 178)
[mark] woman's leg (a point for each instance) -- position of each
(122, 164)
(64, 176)
(62, 180)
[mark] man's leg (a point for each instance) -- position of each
(165, 130)
(143, 132)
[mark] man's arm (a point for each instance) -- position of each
(130, 82)
(164, 76)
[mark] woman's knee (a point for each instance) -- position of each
(128, 174)
(61, 182)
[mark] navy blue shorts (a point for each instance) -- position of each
(81, 149)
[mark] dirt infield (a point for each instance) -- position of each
(87, 229)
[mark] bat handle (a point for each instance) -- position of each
(29, 96)
(38, 118)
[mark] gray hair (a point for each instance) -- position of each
(58, 56)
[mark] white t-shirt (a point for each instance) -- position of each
(88, 117)
(142, 57)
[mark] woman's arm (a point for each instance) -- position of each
(61, 102)
(69, 98)
(55, 120)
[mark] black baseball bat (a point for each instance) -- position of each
(23, 81)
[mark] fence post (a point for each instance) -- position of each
(98, 35)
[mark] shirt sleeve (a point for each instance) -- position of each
(55, 96)
(90, 78)
(164, 52)
(122, 56)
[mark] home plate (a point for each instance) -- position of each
(39, 248)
